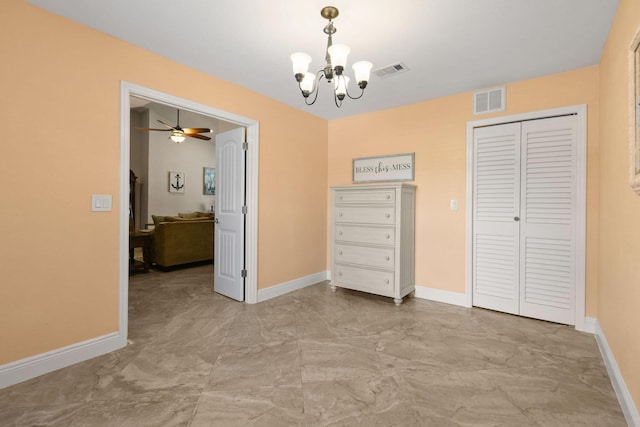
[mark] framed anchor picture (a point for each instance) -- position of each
(176, 182)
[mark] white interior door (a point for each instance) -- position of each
(548, 224)
(230, 226)
(524, 219)
(495, 225)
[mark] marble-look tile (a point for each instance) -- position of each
(260, 365)
(157, 373)
(374, 401)
(329, 360)
(567, 395)
(29, 416)
(318, 358)
(176, 411)
(267, 406)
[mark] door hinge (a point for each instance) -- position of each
(245, 146)
(245, 210)
(243, 273)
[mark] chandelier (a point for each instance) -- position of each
(336, 57)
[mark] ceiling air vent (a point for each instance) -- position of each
(391, 70)
(489, 101)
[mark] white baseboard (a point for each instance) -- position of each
(439, 295)
(292, 285)
(624, 396)
(589, 325)
(34, 366)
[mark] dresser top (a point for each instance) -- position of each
(372, 186)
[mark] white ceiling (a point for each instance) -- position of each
(450, 46)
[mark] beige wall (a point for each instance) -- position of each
(619, 260)
(436, 131)
(60, 86)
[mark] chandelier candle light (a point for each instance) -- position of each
(336, 56)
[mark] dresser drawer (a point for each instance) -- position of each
(364, 255)
(366, 196)
(373, 235)
(380, 282)
(368, 215)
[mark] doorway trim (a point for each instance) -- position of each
(251, 193)
(581, 194)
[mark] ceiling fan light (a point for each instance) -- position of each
(338, 54)
(300, 62)
(362, 71)
(177, 137)
(306, 85)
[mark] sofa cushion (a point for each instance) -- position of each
(157, 219)
(188, 215)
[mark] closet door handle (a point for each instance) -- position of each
(516, 218)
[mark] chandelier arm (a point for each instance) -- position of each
(356, 97)
(316, 89)
(336, 100)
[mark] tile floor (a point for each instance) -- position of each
(315, 358)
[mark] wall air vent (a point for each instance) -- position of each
(489, 100)
(391, 70)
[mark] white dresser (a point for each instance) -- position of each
(373, 239)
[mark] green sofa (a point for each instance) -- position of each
(181, 240)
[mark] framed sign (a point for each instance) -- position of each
(209, 181)
(176, 182)
(396, 167)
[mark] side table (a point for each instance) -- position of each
(139, 239)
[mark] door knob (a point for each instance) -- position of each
(516, 218)
(215, 220)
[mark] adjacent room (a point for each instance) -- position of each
(311, 214)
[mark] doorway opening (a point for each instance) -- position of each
(231, 120)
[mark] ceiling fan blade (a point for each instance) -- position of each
(196, 130)
(169, 126)
(195, 135)
(163, 130)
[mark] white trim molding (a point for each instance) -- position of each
(251, 235)
(34, 366)
(439, 295)
(581, 113)
(622, 392)
(291, 285)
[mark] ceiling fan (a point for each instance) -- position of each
(178, 134)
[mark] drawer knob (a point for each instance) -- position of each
(388, 215)
(388, 236)
(339, 213)
(340, 197)
(339, 252)
(340, 273)
(388, 196)
(339, 233)
(387, 258)
(386, 282)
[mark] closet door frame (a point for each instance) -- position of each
(581, 194)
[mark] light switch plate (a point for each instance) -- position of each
(101, 202)
(453, 205)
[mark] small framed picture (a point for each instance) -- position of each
(176, 182)
(209, 181)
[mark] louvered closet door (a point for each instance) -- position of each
(547, 226)
(496, 204)
(524, 218)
